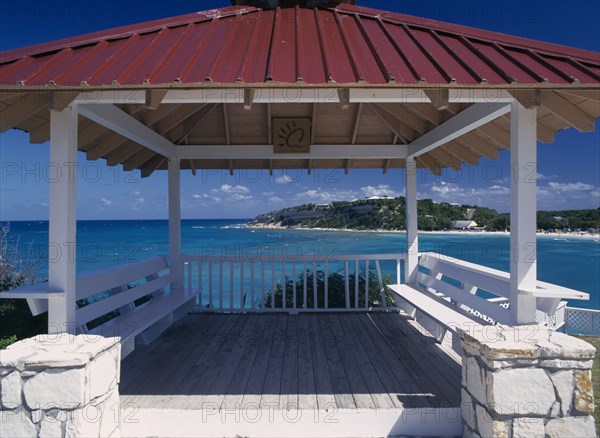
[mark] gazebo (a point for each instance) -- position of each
(300, 86)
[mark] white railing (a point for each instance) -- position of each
(579, 321)
(291, 284)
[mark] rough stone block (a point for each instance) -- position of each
(528, 428)
(488, 427)
(468, 433)
(51, 428)
(565, 364)
(584, 392)
(17, 424)
(56, 388)
(102, 374)
(569, 427)
(500, 342)
(564, 384)
(476, 382)
(561, 345)
(109, 410)
(10, 390)
(468, 410)
(520, 392)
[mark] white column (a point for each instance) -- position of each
(63, 221)
(175, 223)
(412, 239)
(523, 211)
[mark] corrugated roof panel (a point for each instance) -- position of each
(395, 66)
(346, 44)
(282, 63)
(419, 62)
(254, 70)
(311, 68)
(364, 58)
(200, 66)
(152, 57)
(338, 66)
(226, 68)
(483, 71)
(180, 54)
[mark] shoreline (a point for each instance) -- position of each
(565, 236)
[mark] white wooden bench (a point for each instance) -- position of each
(117, 289)
(445, 296)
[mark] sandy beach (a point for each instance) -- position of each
(555, 235)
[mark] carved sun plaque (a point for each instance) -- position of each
(291, 136)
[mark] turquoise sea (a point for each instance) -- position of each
(569, 262)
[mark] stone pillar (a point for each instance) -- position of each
(526, 381)
(60, 386)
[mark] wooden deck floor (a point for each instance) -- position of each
(279, 361)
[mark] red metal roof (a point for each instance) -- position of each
(342, 45)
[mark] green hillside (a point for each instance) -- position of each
(389, 214)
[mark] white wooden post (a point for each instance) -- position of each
(175, 224)
(62, 173)
(412, 239)
(523, 212)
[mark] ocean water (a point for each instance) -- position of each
(573, 263)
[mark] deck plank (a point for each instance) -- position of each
(288, 398)
(203, 390)
(439, 377)
(402, 386)
(272, 385)
(307, 398)
(256, 379)
(374, 385)
(315, 361)
(341, 388)
(324, 387)
(239, 381)
(195, 366)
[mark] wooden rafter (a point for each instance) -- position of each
(439, 97)
(138, 159)
(154, 98)
(190, 124)
(568, 112)
(529, 98)
(226, 126)
(356, 122)
(405, 117)
(105, 147)
(22, 110)
(151, 165)
(403, 131)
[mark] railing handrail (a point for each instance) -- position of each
(583, 310)
(288, 259)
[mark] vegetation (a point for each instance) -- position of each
(336, 291)
(16, 321)
(389, 214)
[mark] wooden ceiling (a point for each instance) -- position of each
(363, 124)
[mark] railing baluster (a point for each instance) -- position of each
(326, 281)
(262, 285)
(283, 291)
(252, 285)
(210, 285)
(273, 285)
(356, 268)
(305, 303)
(294, 285)
(367, 282)
(380, 282)
(315, 304)
(231, 285)
(398, 271)
(189, 266)
(346, 284)
(200, 285)
(242, 303)
(221, 285)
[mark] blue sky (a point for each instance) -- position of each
(568, 169)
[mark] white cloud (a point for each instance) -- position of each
(570, 187)
(226, 188)
(138, 203)
(380, 191)
(106, 202)
(540, 176)
(325, 197)
(205, 197)
(236, 197)
(284, 179)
